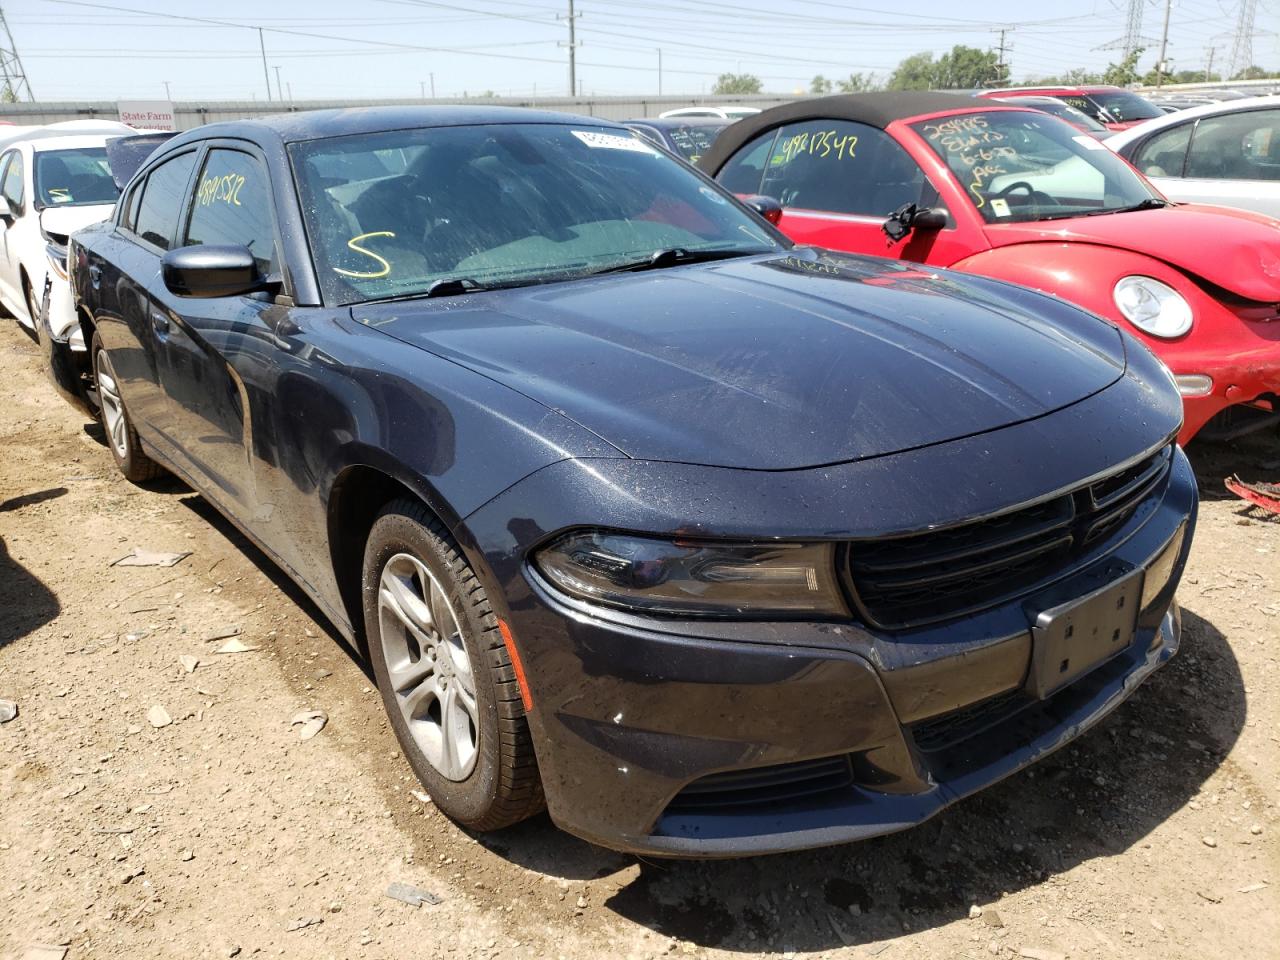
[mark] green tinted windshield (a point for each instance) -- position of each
(1017, 165)
(391, 214)
(68, 178)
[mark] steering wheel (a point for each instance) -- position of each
(1037, 197)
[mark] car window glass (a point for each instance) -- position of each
(841, 167)
(79, 177)
(506, 205)
(1237, 146)
(12, 188)
(1164, 154)
(745, 169)
(233, 206)
(163, 198)
(130, 219)
(1085, 106)
(1121, 106)
(1020, 165)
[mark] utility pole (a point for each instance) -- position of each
(1208, 69)
(422, 89)
(659, 71)
(1001, 66)
(262, 45)
(13, 78)
(289, 90)
(1164, 44)
(573, 48)
(279, 91)
(432, 77)
(166, 89)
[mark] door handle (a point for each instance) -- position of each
(159, 321)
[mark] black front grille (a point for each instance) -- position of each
(938, 733)
(764, 785)
(921, 578)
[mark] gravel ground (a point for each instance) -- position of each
(222, 833)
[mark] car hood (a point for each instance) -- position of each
(63, 221)
(773, 362)
(1237, 250)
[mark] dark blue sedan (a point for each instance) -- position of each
(709, 543)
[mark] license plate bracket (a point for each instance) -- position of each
(1072, 637)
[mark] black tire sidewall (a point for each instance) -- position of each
(468, 801)
(123, 464)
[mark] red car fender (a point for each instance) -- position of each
(1243, 358)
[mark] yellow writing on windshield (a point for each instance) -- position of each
(225, 188)
(354, 245)
(973, 150)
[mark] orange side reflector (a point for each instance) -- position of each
(516, 665)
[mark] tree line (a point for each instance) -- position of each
(963, 68)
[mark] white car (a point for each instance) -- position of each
(52, 183)
(722, 113)
(1222, 153)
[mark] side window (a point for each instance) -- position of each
(129, 220)
(1164, 154)
(842, 167)
(1237, 146)
(12, 187)
(233, 206)
(743, 172)
(163, 197)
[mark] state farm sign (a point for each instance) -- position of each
(147, 114)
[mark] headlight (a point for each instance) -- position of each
(1153, 307)
(57, 260)
(695, 578)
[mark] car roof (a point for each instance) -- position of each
(668, 123)
(321, 124)
(1193, 113)
(1044, 88)
(874, 109)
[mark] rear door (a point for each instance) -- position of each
(12, 195)
(212, 351)
(123, 283)
(1232, 159)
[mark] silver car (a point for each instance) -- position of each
(1222, 153)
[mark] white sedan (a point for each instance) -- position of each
(718, 113)
(1222, 153)
(53, 181)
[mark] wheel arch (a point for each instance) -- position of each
(359, 492)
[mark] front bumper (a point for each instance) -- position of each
(687, 739)
(66, 353)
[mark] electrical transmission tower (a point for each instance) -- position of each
(1242, 46)
(1133, 38)
(13, 79)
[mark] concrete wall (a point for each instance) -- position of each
(189, 114)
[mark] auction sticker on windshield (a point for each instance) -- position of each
(611, 141)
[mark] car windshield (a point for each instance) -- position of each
(1059, 108)
(69, 178)
(693, 140)
(1113, 106)
(1017, 165)
(411, 212)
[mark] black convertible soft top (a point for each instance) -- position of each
(874, 109)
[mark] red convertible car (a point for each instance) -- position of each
(1018, 195)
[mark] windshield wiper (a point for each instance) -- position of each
(1150, 203)
(670, 257)
(452, 287)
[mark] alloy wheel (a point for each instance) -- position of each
(428, 666)
(112, 407)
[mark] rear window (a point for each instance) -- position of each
(1120, 106)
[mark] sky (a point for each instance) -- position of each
(331, 49)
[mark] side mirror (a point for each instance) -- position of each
(909, 217)
(211, 271)
(767, 207)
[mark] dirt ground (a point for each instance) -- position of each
(219, 834)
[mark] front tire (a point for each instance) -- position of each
(122, 439)
(444, 673)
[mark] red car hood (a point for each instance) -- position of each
(1233, 249)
